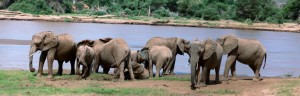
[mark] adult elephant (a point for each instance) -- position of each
(112, 53)
(207, 54)
(176, 45)
(247, 51)
(61, 48)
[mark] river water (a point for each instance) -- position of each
(283, 48)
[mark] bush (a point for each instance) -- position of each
(99, 13)
(31, 6)
(210, 13)
(85, 11)
(162, 12)
(79, 5)
(248, 21)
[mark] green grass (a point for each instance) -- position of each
(219, 92)
(26, 83)
(172, 78)
(286, 89)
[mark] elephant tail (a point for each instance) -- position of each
(265, 60)
(124, 57)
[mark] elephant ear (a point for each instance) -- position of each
(49, 41)
(209, 48)
(180, 45)
(230, 43)
(105, 40)
(144, 53)
(85, 42)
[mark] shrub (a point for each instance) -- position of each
(248, 21)
(99, 13)
(162, 12)
(85, 11)
(79, 5)
(210, 13)
(31, 6)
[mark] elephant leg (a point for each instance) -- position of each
(207, 76)
(121, 68)
(257, 65)
(217, 78)
(106, 70)
(50, 58)
(41, 63)
(83, 69)
(130, 70)
(230, 60)
(77, 67)
(60, 64)
(203, 77)
(72, 61)
(85, 73)
(233, 71)
(198, 76)
(96, 64)
(172, 66)
(150, 68)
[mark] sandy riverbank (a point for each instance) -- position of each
(110, 19)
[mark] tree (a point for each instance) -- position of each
(292, 9)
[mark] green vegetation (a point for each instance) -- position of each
(171, 78)
(25, 83)
(219, 92)
(240, 10)
(286, 89)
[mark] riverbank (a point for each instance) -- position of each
(23, 82)
(110, 19)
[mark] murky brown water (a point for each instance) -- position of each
(283, 48)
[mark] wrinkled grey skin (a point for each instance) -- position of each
(247, 51)
(61, 48)
(138, 69)
(160, 56)
(208, 55)
(176, 45)
(112, 53)
(85, 56)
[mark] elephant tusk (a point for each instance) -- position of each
(31, 54)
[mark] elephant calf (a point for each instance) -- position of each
(207, 54)
(85, 56)
(161, 56)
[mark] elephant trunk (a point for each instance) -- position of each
(193, 63)
(31, 53)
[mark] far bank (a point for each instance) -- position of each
(142, 20)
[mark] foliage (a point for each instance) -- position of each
(248, 21)
(161, 13)
(292, 9)
(210, 14)
(31, 6)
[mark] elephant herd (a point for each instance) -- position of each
(138, 64)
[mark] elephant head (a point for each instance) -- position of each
(86, 42)
(100, 41)
(200, 51)
(143, 54)
(41, 41)
(228, 42)
(183, 45)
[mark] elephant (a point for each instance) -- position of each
(112, 53)
(138, 69)
(84, 56)
(208, 54)
(61, 48)
(160, 56)
(246, 51)
(176, 45)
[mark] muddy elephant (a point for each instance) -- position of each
(208, 55)
(247, 51)
(84, 56)
(176, 45)
(160, 56)
(112, 53)
(61, 48)
(139, 71)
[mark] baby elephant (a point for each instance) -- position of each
(85, 56)
(160, 56)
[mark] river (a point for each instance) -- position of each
(282, 47)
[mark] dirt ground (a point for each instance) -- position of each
(244, 86)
